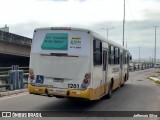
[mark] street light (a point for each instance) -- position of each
(155, 46)
(139, 54)
(123, 23)
(126, 41)
(107, 30)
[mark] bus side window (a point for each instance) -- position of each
(111, 58)
(112, 55)
(118, 56)
(97, 52)
(117, 51)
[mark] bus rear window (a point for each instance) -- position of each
(55, 41)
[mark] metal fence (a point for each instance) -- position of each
(136, 67)
(8, 82)
(6, 77)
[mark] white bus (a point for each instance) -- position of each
(76, 63)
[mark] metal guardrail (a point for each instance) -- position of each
(4, 85)
(13, 38)
(141, 66)
(9, 68)
(5, 76)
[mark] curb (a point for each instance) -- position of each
(13, 92)
(154, 79)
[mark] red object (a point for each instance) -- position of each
(86, 81)
(87, 76)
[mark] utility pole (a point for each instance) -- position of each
(126, 43)
(107, 30)
(155, 46)
(139, 54)
(123, 22)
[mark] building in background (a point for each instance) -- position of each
(5, 29)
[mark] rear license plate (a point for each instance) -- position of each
(62, 92)
(58, 80)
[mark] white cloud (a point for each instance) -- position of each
(72, 11)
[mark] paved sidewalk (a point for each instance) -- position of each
(7, 93)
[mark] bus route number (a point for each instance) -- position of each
(70, 85)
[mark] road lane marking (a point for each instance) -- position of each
(13, 96)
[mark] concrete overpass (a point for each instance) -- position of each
(14, 49)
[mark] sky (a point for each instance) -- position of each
(23, 16)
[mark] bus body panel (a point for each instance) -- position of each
(61, 71)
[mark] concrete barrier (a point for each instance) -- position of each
(13, 92)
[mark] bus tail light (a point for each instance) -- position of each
(31, 74)
(87, 76)
(32, 77)
(86, 81)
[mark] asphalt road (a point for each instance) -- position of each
(138, 94)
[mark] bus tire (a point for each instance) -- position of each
(122, 85)
(110, 91)
(125, 78)
(124, 81)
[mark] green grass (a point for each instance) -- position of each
(158, 82)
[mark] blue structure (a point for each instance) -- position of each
(16, 78)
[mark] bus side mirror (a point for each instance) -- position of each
(130, 57)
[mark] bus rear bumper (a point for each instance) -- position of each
(36, 90)
(69, 93)
(57, 92)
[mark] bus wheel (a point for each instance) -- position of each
(110, 91)
(122, 85)
(124, 81)
(49, 95)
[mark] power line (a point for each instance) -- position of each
(131, 13)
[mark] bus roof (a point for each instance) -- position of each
(95, 35)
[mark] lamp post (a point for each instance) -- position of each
(123, 23)
(155, 46)
(139, 54)
(107, 30)
(127, 41)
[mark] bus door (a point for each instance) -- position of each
(128, 67)
(121, 67)
(105, 70)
